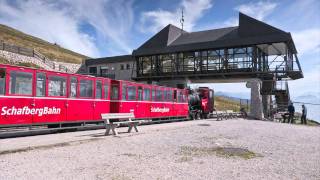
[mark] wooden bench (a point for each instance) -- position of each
(123, 118)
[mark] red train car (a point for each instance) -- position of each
(31, 96)
(39, 97)
(148, 101)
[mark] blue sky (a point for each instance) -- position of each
(114, 27)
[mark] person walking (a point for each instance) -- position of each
(291, 111)
(304, 115)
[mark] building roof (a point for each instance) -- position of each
(104, 60)
(249, 32)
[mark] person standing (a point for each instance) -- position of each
(304, 115)
(291, 111)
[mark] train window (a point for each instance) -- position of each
(57, 86)
(86, 88)
(20, 83)
(124, 91)
(98, 89)
(106, 90)
(2, 81)
(146, 94)
(114, 92)
(41, 85)
(73, 87)
(169, 95)
(159, 95)
(139, 93)
(153, 95)
(132, 93)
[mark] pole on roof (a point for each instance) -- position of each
(182, 20)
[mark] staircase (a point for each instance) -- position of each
(282, 95)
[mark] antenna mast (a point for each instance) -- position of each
(182, 20)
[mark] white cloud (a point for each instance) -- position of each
(258, 10)
(60, 21)
(112, 19)
(44, 20)
(155, 20)
(307, 41)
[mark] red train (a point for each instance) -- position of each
(39, 97)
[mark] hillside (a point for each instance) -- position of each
(13, 36)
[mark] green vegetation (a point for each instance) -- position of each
(3, 61)
(223, 103)
(190, 151)
(52, 51)
(26, 64)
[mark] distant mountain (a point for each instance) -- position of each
(312, 102)
(51, 50)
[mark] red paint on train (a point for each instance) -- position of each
(31, 96)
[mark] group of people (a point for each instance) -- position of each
(291, 111)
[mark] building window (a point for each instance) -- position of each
(92, 70)
(128, 66)
(121, 66)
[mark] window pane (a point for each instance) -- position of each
(106, 90)
(20, 83)
(57, 86)
(153, 95)
(146, 94)
(124, 91)
(114, 92)
(41, 84)
(140, 94)
(2, 81)
(73, 87)
(86, 88)
(131, 93)
(169, 95)
(98, 89)
(159, 95)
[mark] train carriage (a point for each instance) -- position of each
(148, 101)
(31, 96)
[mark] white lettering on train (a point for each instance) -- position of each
(29, 111)
(157, 109)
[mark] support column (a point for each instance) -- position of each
(266, 101)
(256, 109)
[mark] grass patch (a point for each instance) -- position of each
(190, 151)
(50, 50)
(27, 64)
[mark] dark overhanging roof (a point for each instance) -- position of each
(114, 59)
(250, 31)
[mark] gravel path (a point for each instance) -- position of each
(204, 149)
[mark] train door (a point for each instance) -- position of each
(101, 105)
(115, 96)
(169, 102)
(73, 98)
(131, 101)
(51, 99)
(84, 105)
(140, 105)
(174, 103)
(18, 106)
(146, 103)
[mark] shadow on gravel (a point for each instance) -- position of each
(188, 152)
(50, 146)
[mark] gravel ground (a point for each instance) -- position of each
(204, 149)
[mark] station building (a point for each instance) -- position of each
(253, 52)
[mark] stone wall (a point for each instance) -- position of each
(15, 58)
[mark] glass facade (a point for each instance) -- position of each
(197, 61)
